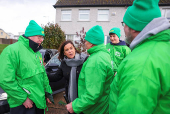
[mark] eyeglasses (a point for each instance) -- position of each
(40, 37)
(123, 24)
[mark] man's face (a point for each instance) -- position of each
(37, 39)
(114, 38)
(88, 44)
(128, 35)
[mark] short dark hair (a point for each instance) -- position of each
(61, 49)
(111, 33)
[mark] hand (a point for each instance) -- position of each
(28, 103)
(69, 107)
(115, 73)
(48, 100)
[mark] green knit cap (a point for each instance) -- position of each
(34, 29)
(95, 35)
(116, 31)
(141, 13)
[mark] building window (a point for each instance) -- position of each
(70, 37)
(66, 15)
(1, 33)
(103, 15)
(73, 38)
(84, 14)
(166, 13)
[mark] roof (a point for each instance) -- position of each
(100, 3)
(1, 29)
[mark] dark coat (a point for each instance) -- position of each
(64, 72)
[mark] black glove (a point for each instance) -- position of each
(48, 95)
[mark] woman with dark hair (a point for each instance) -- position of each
(61, 49)
(71, 64)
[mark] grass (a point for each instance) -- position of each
(2, 46)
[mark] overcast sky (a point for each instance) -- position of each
(16, 14)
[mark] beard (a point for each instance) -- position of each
(128, 38)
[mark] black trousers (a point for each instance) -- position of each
(22, 110)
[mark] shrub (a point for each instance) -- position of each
(54, 36)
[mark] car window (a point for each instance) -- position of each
(55, 60)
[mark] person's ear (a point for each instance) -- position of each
(133, 31)
(93, 45)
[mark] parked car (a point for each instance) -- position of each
(51, 65)
(51, 69)
(47, 54)
(4, 106)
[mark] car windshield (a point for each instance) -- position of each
(54, 60)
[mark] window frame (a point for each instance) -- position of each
(98, 13)
(66, 13)
(81, 13)
(73, 39)
(164, 13)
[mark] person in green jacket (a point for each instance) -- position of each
(95, 77)
(142, 83)
(23, 76)
(117, 48)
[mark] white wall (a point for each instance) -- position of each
(71, 27)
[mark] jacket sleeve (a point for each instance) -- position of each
(56, 76)
(95, 75)
(137, 93)
(46, 84)
(9, 64)
(127, 51)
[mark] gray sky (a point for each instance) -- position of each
(16, 14)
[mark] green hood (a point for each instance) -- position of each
(155, 27)
(97, 48)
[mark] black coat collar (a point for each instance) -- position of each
(33, 45)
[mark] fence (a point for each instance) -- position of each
(7, 41)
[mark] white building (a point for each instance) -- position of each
(73, 15)
(11, 36)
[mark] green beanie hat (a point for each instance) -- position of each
(141, 13)
(116, 31)
(34, 29)
(95, 35)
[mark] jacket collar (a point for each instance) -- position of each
(119, 44)
(27, 42)
(97, 48)
(156, 26)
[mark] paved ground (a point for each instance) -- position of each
(59, 107)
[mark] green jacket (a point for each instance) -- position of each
(21, 69)
(118, 53)
(94, 83)
(142, 83)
